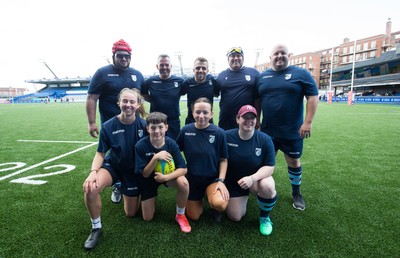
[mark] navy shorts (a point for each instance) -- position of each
(292, 148)
(235, 190)
(198, 186)
(130, 182)
(149, 187)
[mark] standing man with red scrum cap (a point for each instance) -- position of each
(105, 86)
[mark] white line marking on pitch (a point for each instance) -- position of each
(49, 160)
(394, 113)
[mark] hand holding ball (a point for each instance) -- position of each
(164, 167)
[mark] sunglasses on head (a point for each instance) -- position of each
(235, 50)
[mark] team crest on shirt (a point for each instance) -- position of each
(210, 82)
(134, 78)
(288, 76)
(258, 152)
(247, 77)
(176, 84)
(211, 139)
(140, 133)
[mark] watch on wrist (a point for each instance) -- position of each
(221, 180)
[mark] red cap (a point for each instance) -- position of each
(247, 109)
(121, 45)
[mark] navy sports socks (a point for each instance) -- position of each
(266, 205)
(295, 178)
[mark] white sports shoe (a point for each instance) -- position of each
(116, 195)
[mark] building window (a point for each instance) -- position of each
(358, 47)
(357, 57)
(365, 56)
(351, 49)
(384, 69)
(375, 70)
(394, 67)
(345, 59)
(345, 50)
(365, 46)
(372, 54)
(373, 44)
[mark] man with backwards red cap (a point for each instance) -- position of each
(105, 85)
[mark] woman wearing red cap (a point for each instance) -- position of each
(251, 163)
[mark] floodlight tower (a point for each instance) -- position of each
(55, 76)
(179, 55)
(259, 51)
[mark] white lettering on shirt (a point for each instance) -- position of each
(119, 131)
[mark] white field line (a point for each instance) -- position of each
(394, 113)
(49, 160)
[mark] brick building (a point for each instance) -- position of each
(9, 92)
(319, 63)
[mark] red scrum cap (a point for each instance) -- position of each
(247, 109)
(121, 45)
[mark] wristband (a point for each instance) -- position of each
(93, 170)
(221, 180)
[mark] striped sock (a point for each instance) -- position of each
(295, 175)
(266, 205)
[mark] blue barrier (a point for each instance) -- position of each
(377, 99)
